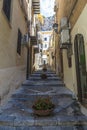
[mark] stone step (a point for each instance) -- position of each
(18, 121)
(42, 82)
(44, 128)
(59, 84)
(18, 114)
(49, 75)
(47, 72)
(48, 78)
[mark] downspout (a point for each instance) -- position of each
(74, 5)
(28, 61)
(27, 74)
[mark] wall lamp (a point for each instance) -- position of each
(55, 27)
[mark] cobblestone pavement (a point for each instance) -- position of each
(17, 114)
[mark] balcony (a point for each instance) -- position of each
(33, 40)
(36, 6)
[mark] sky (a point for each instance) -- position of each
(47, 7)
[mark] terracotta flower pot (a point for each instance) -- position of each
(43, 76)
(43, 106)
(43, 112)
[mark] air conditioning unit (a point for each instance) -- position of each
(25, 40)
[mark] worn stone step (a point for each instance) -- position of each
(34, 82)
(48, 78)
(45, 84)
(49, 75)
(48, 72)
(44, 128)
(18, 121)
(18, 114)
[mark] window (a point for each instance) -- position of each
(45, 39)
(45, 45)
(19, 42)
(7, 8)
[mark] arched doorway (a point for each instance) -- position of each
(80, 68)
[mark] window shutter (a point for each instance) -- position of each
(19, 42)
(7, 8)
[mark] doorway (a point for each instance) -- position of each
(80, 68)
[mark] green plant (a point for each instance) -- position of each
(43, 104)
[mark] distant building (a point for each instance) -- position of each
(44, 46)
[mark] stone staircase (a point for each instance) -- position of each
(17, 114)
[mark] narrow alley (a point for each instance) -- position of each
(43, 64)
(18, 114)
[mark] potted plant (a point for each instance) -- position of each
(43, 106)
(44, 68)
(43, 76)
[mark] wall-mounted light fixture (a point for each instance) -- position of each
(55, 27)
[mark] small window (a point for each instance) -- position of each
(19, 42)
(45, 45)
(7, 8)
(45, 39)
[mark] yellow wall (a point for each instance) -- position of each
(70, 74)
(10, 62)
(8, 36)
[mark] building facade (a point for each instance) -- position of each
(45, 45)
(72, 55)
(13, 56)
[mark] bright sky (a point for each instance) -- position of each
(47, 7)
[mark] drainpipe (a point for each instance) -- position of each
(28, 61)
(27, 74)
(74, 5)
